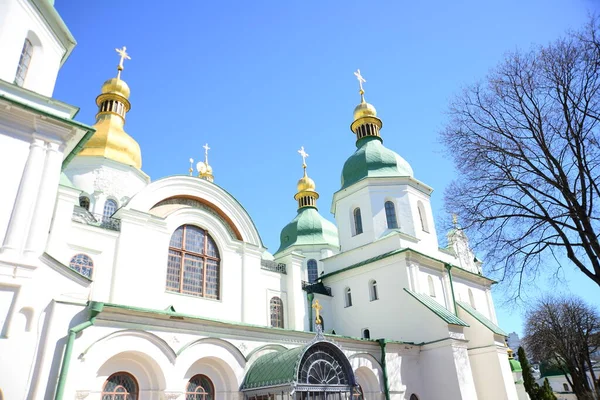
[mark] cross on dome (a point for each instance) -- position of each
(206, 149)
(361, 80)
(317, 307)
(124, 56)
(304, 155)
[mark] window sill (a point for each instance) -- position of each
(348, 306)
(194, 297)
(372, 300)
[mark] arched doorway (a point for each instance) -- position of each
(318, 371)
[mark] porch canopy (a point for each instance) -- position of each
(319, 370)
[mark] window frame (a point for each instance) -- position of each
(390, 215)
(78, 266)
(210, 394)
(471, 298)
(422, 217)
(22, 69)
(373, 293)
(348, 297)
(133, 396)
(182, 252)
(276, 304)
(310, 266)
(358, 225)
(105, 210)
(366, 333)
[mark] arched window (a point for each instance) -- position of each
(566, 387)
(373, 290)
(24, 61)
(366, 334)
(431, 286)
(413, 397)
(390, 215)
(348, 297)
(358, 228)
(110, 207)
(200, 387)
(422, 216)
(276, 307)
(193, 266)
(313, 271)
(84, 202)
(82, 264)
(120, 386)
(471, 299)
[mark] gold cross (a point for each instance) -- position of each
(124, 56)
(206, 149)
(317, 308)
(303, 154)
(361, 80)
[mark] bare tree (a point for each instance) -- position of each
(564, 332)
(526, 145)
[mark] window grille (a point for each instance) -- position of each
(200, 387)
(276, 308)
(390, 215)
(313, 271)
(110, 207)
(193, 265)
(82, 264)
(24, 62)
(120, 386)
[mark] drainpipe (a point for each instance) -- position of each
(310, 297)
(449, 268)
(384, 368)
(95, 309)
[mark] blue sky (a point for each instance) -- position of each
(257, 80)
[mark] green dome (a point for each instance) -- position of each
(515, 366)
(308, 228)
(372, 159)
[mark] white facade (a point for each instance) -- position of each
(88, 291)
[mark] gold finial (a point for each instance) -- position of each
(123, 53)
(361, 80)
(191, 166)
(206, 149)
(317, 307)
(455, 220)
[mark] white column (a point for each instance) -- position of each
(25, 199)
(44, 207)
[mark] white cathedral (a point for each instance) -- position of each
(370, 307)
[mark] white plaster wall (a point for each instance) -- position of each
(461, 292)
(438, 285)
(21, 20)
(492, 374)
(395, 315)
(101, 179)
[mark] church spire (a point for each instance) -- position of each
(110, 140)
(365, 121)
(306, 195)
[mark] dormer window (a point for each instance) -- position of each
(24, 62)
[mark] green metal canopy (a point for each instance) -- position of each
(294, 370)
(373, 159)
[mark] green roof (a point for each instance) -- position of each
(437, 308)
(273, 369)
(515, 366)
(372, 159)
(481, 318)
(308, 228)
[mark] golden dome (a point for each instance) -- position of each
(364, 109)
(116, 86)
(306, 184)
(112, 142)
